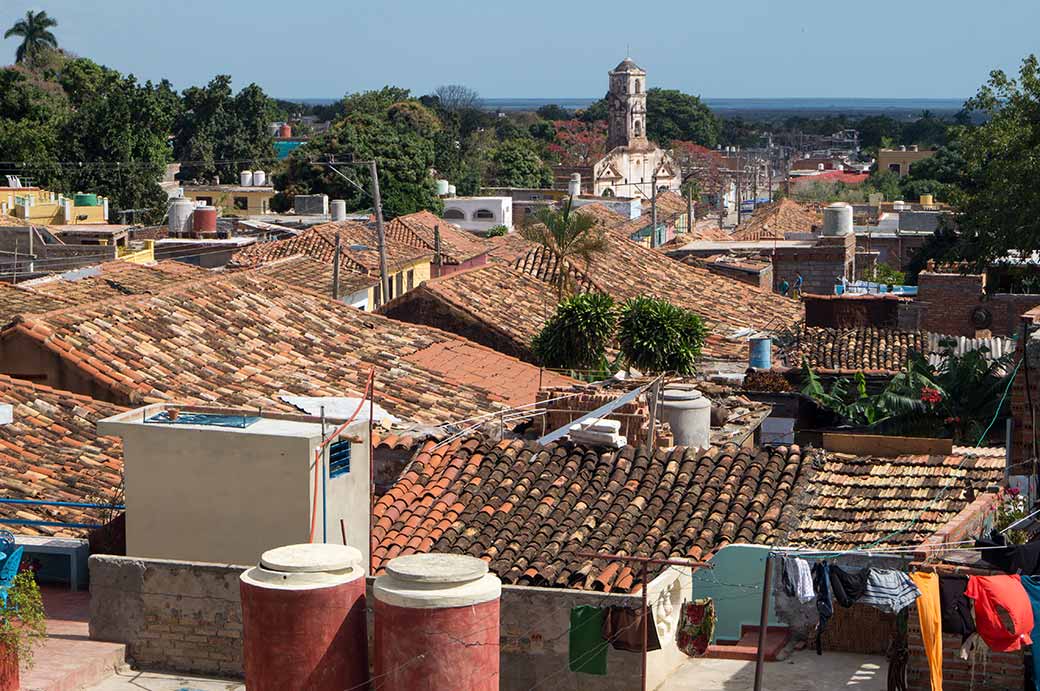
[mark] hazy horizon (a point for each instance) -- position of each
(758, 49)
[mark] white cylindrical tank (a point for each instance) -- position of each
(339, 210)
(574, 186)
(245, 178)
(259, 178)
(688, 413)
(837, 219)
(442, 188)
(451, 190)
(181, 210)
(900, 205)
(273, 128)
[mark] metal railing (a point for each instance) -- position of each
(56, 524)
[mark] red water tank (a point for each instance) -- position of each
(204, 220)
(285, 131)
(303, 620)
(437, 624)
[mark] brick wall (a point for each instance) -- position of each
(948, 301)
(844, 311)
(1021, 419)
(174, 616)
(633, 416)
(819, 265)
(895, 251)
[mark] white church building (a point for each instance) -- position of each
(633, 163)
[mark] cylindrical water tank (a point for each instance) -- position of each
(437, 624)
(688, 414)
(927, 199)
(285, 131)
(204, 220)
(451, 190)
(442, 188)
(760, 352)
(259, 178)
(303, 620)
(339, 210)
(85, 199)
(181, 211)
(837, 219)
(245, 178)
(900, 205)
(574, 185)
(273, 128)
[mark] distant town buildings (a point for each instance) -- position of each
(900, 160)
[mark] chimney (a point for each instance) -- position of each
(574, 186)
(225, 485)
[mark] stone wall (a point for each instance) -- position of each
(848, 311)
(1022, 419)
(186, 617)
(820, 265)
(173, 616)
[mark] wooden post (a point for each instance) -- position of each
(437, 261)
(335, 268)
(377, 201)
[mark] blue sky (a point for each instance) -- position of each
(544, 48)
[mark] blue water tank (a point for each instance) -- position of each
(761, 352)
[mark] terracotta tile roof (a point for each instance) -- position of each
(114, 279)
(52, 452)
(242, 339)
(627, 270)
(304, 272)
(416, 230)
(15, 301)
(506, 248)
(358, 245)
(528, 509)
(861, 348)
(853, 502)
(479, 294)
(668, 204)
(605, 215)
(774, 221)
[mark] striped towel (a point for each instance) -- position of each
(890, 591)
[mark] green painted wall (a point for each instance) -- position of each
(736, 586)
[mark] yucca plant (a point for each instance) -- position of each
(577, 335)
(656, 336)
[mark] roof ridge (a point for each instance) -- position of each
(9, 380)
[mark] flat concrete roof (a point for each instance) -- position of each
(268, 424)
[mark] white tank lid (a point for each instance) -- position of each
(437, 581)
(306, 566)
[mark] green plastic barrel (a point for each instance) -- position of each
(86, 199)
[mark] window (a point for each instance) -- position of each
(242, 203)
(608, 192)
(894, 167)
(400, 283)
(208, 201)
(638, 88)
(638, 128)
(484, 215)
(339, 458)
(454, 214)
(411, 279)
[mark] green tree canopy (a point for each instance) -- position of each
(656, 336)
(569, 237)
(577, 335)
(1000, 203)
(516, 163)
(219, 133)
(671, 114)
(34, 30)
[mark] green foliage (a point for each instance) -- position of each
(1000, 203)
(515, 163)
(553, 112)
(884, 182)
(912, 190)
(577, 335)
(412, 116)
(671, 114)
(959, 398)
(883, 273)
(219, 132)
(23, 624)
(34, 30)
(567, 236)
(497, 231)
(656, 336)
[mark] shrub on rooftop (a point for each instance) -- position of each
(22, 621)
(577, 335)
(656, 336)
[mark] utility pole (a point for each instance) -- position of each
(653, 211)
(689, 209)
(335, 268)
(740, 185)
(437, 261)
(384, 276)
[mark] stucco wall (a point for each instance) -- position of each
(186, 617)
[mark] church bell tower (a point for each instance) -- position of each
(626, 102)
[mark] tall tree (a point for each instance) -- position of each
(220, 132)
(456, 97)
(671, 114)
(568, 237)
(34, 30)
(1000, 204)
(515, 163)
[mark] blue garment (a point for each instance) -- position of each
(1032, 586)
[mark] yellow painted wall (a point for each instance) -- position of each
(420, 272)
(904, 159)
(258, 201)
(143, 256)
(47, 208)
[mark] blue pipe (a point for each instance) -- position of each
(57, 524)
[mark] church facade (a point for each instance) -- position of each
(633, 163)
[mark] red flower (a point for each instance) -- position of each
(930, 395)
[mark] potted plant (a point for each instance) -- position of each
(22, 628)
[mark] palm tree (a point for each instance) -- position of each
(36, 37)
(566, 236)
